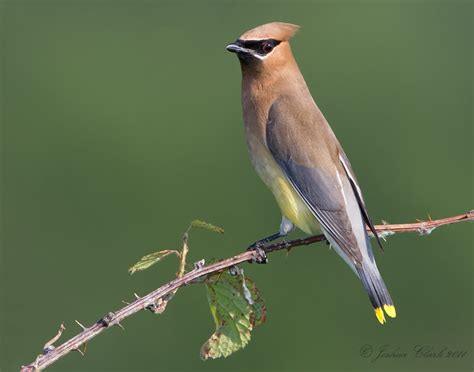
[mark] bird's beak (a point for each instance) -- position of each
(235, 48)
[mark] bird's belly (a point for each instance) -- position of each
(290, 203)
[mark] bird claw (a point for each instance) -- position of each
(260, 255)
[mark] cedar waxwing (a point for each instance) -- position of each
(299, 158)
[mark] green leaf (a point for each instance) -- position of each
(151, 259)
(207, 226)
(237, 308)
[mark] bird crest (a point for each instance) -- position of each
(275, 30)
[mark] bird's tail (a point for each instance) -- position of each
(378, 294)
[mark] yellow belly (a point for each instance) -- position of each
(293, 207)
(290, 203)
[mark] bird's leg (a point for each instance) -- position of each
(285, 227)
(261, 243)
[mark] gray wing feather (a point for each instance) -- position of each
(358, 193)
(314, 189)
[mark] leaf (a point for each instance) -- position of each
(237, 308)
(151, 259)
(207, 226)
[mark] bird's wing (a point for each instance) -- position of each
(307, 151)
(358, 193)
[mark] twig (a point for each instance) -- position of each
(50, 343)
(52, 354)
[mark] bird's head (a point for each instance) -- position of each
(264, 45)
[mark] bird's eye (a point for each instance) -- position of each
(267, 47)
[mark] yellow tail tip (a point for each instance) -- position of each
(390, 310)
(379, 315)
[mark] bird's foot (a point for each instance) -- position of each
(260, 255)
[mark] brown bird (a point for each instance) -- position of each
(297, 155)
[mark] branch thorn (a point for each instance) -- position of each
(80, 325)
(199, 264)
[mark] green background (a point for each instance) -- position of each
(121, 122)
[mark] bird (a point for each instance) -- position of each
(297, 155)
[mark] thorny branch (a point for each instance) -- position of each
(152, 300)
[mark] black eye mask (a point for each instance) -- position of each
(261, 47)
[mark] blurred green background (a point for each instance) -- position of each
(121, 122)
